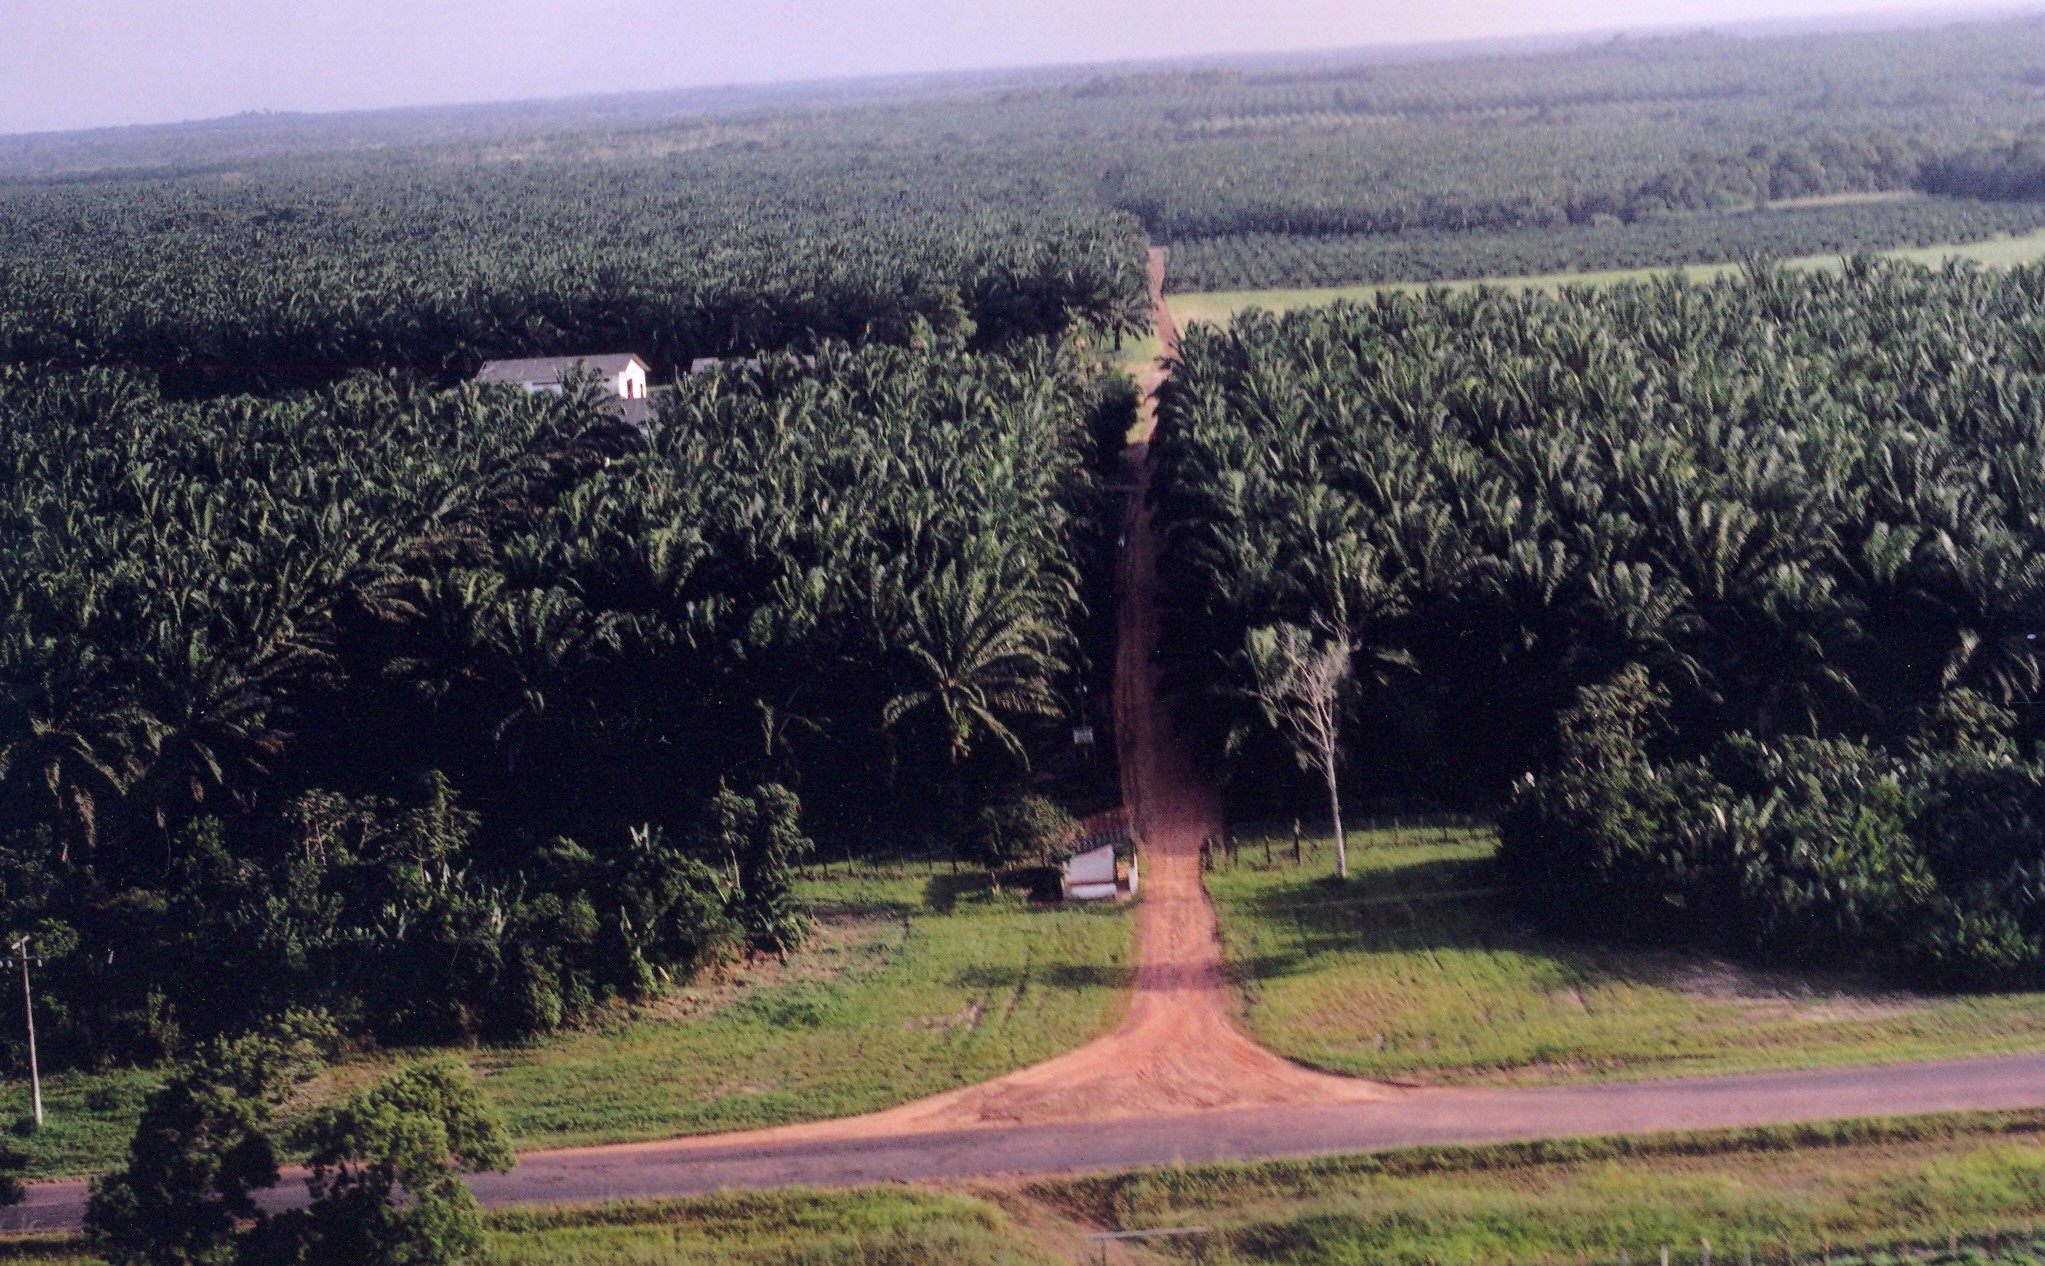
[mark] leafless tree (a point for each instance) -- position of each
(1301, 681)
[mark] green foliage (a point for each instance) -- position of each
(228, 256)
(418, 705)
(1807, 849)
(1028, 830)
(763, 841)
(1703, 556)
(1603, 811)
(385, 1164)
(385, 1178)
(203, 1149)
(296, 272)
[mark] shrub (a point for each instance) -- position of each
(1023, 831)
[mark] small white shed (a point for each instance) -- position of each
(1096, 875)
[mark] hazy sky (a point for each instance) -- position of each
(82, 63)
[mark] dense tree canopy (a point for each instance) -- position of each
(1808, 507)
(300, 271)
(458, 711)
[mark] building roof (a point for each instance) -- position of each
(1096, 865)
(551, 368)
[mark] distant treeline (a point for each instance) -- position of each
(299, 273)
(1006, 213)
(1277, 262)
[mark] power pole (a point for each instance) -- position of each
(35, 1077)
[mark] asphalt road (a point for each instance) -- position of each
(705, 1165)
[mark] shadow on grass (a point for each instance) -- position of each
(1053, 975)
(1038, 885)
(1456, 904)
(943, 891)
(1438, 904)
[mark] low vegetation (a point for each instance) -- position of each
(1419, 969)
(919, 981)
(876, 1227)
(870, 1227)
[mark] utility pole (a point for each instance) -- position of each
(35, 1076)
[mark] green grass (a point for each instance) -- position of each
(1777, 1196)
(918, 981)
(88, 1118)
(913, 987)
(1216, 307)
(866, 1227)
(1138, 353)
(870, 1227)
(1416, 971)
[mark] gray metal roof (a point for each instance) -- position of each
(551, 368)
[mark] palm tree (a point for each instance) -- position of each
(979, 653)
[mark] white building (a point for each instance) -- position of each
(622, 372)
(1095, 875)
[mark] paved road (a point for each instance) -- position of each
(1443, 1116)
(699, 1166)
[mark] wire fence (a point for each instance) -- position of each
(1306, 843)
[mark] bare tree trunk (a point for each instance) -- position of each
(1335, 813)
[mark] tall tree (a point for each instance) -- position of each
(1301, 683)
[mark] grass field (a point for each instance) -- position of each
(1900, 1192)
(1415, 971)
(1137, 353)
(916, 982)
(877, 1227)
(1771, 1197)
(1218, 306)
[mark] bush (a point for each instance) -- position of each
(1028, 830)
(1801, 849)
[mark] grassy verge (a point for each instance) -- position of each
(917, 981)
(1806, 1194)
(1218, 306)
(1415, 971)
(875, 1227)
(867, 1228)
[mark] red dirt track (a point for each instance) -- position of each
(1178, 1080)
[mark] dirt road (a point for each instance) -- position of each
(1177, 1080)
